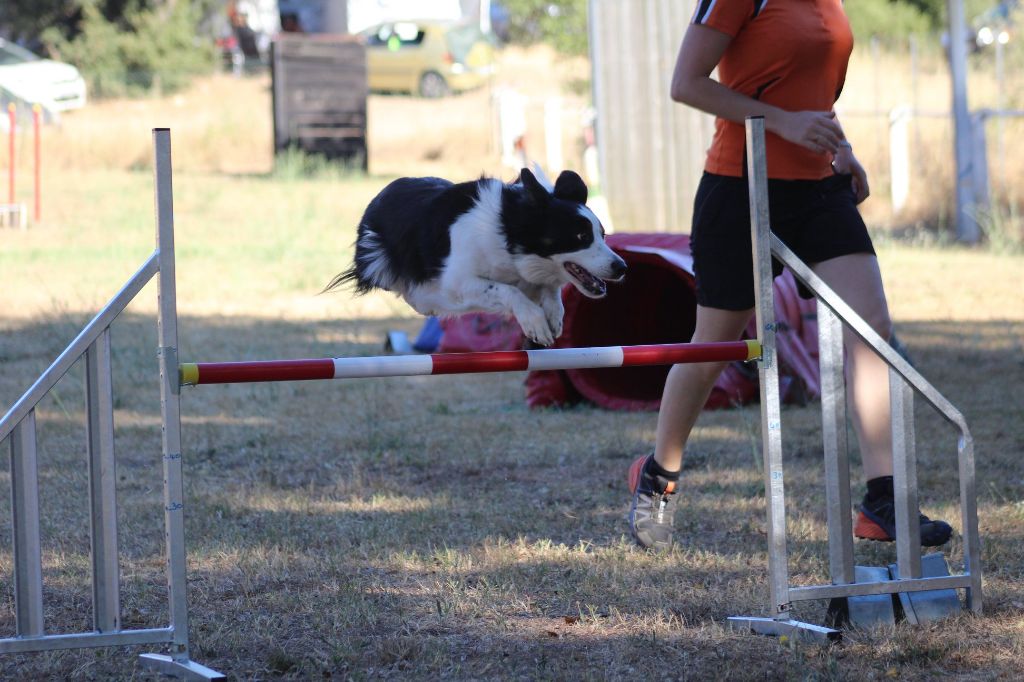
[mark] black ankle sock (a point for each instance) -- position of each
(880, 487)
(654, 469)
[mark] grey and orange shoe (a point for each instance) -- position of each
(877, 521)
(652, 511)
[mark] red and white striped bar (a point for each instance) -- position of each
(193, 374)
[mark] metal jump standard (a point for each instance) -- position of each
(849, 583)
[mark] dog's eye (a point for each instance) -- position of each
(582, 236)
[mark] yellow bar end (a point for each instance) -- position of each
(188, 374)
(753, 349)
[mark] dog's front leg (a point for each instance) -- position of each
(554, 311)
(474, 293)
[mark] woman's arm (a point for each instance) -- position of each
(692, 84)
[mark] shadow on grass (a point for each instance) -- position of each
(435, 526)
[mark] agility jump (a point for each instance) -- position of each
(914, 576)
(194, 374)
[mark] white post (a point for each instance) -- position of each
(511, 127)
(1001, 41)
(899, 157)
(967, 229)
(485, 17)
(979, 149)
(553, 135)
(335, 16)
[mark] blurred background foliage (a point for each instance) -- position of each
(131, 47)
(142, 50)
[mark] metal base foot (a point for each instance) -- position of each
(867, 611)
(185, 669)
(928, 605)
(806, 632)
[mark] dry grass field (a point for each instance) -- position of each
(435, 527)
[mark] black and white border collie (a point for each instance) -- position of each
(486, 246)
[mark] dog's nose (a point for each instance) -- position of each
(618, 269)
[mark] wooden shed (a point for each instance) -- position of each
(319, 95)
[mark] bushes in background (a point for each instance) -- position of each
(563, 25)
(147, 49)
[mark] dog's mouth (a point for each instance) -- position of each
(589, 284)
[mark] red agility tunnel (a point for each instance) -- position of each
(656, 303)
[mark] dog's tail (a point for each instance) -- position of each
(343, 279)
(370, 267)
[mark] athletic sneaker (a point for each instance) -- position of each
(653, 509)
(877, 521)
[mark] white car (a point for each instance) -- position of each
(53, 85)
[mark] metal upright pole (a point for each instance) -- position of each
(969, 519)
(768, 369)
(178, 662)
(167, 330)
(780, 622)
(28, 568)
(99, 400)
(904, 476)
(837, 463)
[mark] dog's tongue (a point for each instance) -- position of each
(594, 285)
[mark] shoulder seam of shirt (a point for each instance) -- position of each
(704, 8)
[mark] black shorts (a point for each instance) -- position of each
(816, 219)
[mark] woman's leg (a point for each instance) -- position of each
(652, 479)
(857, 279)
(688, 386)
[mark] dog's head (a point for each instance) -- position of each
(558, 240)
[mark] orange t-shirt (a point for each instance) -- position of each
(791, 54)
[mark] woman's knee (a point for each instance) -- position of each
(878, 318)
(879, 321)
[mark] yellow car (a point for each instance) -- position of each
(431, 59)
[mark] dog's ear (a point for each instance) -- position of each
(533, 187)
(570, 186)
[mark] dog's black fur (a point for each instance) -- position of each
(435, 243)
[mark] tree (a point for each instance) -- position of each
(561, 24)
(25, 20)
(146, 45)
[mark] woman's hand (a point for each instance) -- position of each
(818, 131)
(845, 163)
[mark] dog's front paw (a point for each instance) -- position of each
(554, 312)
(535, 326)
(554, 317)
(555, 326)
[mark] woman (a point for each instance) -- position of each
(784, 60)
